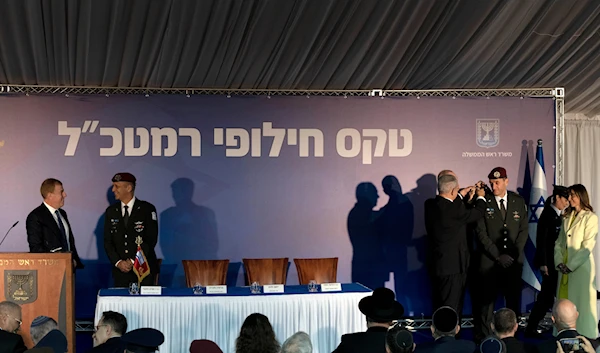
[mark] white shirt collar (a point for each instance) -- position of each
(129, 205)
(505, 198)
(50, 208)
(558, 212)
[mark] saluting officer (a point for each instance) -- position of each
(125, 221)
(502, 234)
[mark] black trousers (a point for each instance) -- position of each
(545, 299)
(449, 291)
(498, 280)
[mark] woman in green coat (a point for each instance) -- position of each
(574, 259)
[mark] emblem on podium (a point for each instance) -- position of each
(20, 286)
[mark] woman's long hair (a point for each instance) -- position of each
(584, 198)
(256, 336)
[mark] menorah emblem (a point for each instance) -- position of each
(488, 132)
(20, 286)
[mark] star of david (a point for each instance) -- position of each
(533, 218)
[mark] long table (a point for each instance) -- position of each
(183, 317)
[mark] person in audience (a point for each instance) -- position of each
(399, 340)
(574, 259)
(564, 317)
(40, 326)
(504, 325)
(55, 340)
(108, 332)
(492, 344)
(299, 342)
(204, 346)
(444, 328)
(586, 347)
(380, 309)
(10, 322)
(143, 340)
(256, 336)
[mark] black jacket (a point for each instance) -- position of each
(43, 234)
(112, 345)
(548, 227)
(446, 345)
(372, 341)
(11, 343)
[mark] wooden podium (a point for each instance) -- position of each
(43, 285)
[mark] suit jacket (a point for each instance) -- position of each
(446, 345)
(548, 227)
(446, 224)
(113, 345)
(513, 345)
(44, 235)
(549, 346)
(119, 240)
(497, 236)
(11, 343)
(577, 237)
(372, 341)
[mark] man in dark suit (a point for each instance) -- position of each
(381, 309)
(10, 322)
(108, 332)
(501, 234)
(48, 227)
(445, 326)
(127, 222)
(564, 317)
(446, 220)
(505, 326)
(548, 227)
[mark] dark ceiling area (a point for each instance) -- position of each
(305, 44)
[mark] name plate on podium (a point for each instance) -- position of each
(151, 290)
(216, 289)
(273, 288)
(331, 287)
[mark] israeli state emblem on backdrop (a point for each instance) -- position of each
(20, 286)
(488, 132)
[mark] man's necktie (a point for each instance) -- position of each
(126, 216)
(502, 209)
(65, 243)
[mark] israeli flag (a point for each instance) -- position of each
(539, 193)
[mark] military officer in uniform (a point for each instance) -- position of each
(125, 222)
(501, 237)
(548, 227)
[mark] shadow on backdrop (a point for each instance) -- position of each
(97, 273)
(187, 232)
(395, 227)
(368, 265)
(418, 248)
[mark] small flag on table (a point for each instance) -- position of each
(140, 265)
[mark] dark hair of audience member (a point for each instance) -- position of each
(256, 336)
(116, 320)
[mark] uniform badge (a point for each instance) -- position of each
(516, 216)
(154, 216)
(114, 221)
(490, 211)
(139, 226)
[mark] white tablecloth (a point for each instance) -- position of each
(324, 316)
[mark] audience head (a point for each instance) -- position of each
(504, 323)
(204, 346)
(579, 198)
(299, 342)
(143, 340)
(40, 326)
(445, 322)
(256, 336)
(399, 340)
(447, 185)
(380, 308)
(564, 315)
(55, 340)
(492, 345)
(366, 193)
(10, 316)
(111, 324)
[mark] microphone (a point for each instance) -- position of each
(9, 229)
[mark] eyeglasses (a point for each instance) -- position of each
(96, 328)
(18, 321)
